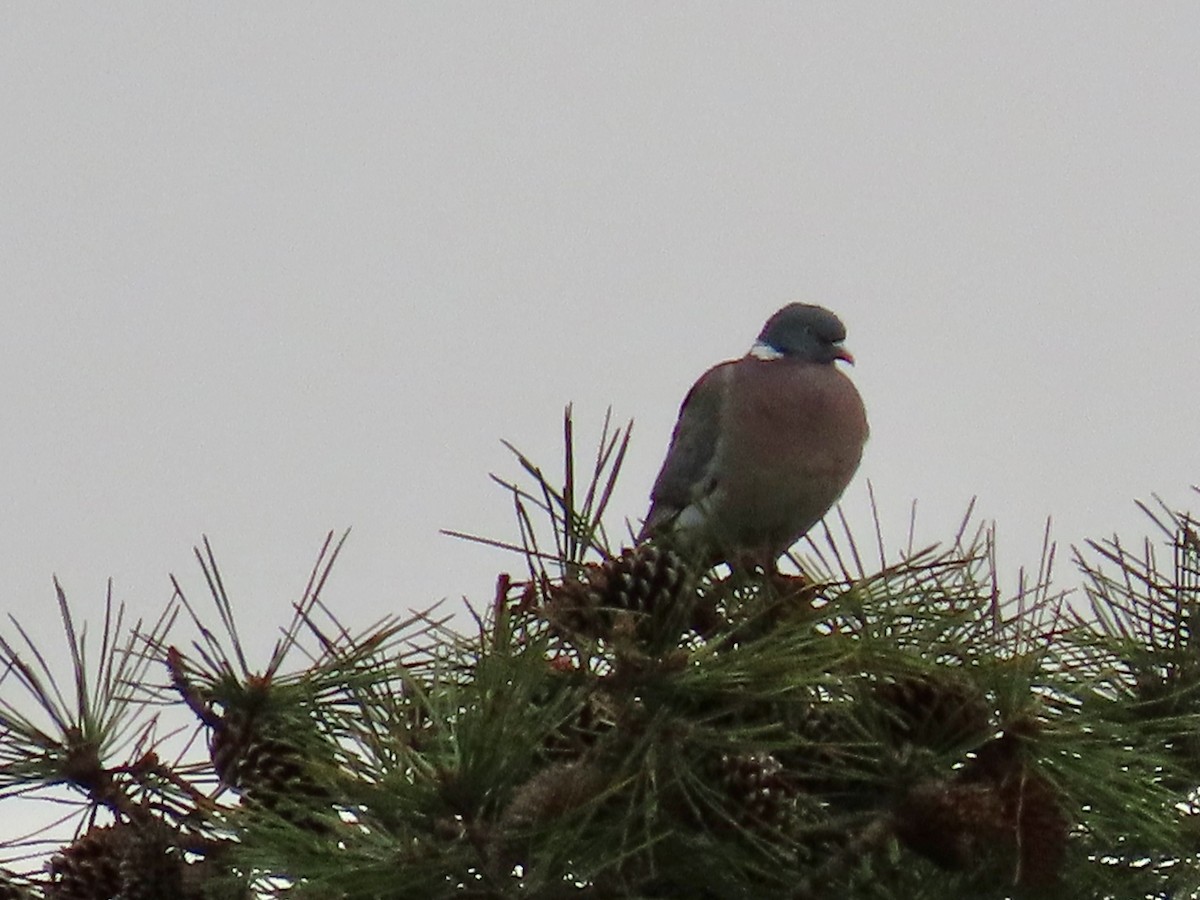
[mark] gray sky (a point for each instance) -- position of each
(273, 269)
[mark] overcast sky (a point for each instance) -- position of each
(273, 269)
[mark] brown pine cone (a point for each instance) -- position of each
(1039, 824)
(151, 865)
(998, 805)
(90, 867)
(268, 772)
(949, 822)
(759, 790)
(647, 582)
(941, 710)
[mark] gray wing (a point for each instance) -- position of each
(686, 473)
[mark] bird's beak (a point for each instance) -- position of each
(841, 352)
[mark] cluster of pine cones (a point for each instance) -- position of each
(996, 807)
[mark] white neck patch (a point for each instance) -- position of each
(764, 351)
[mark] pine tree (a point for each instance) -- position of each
(620, 722)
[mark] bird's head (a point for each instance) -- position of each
(804, 332)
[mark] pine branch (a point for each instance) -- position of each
(620, 723)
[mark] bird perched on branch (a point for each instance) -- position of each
(764, 445)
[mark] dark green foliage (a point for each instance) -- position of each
(620, 723)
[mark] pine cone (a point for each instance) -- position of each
(1040, 827)
(648, 581)
(949, 822)
(998, 759)
(940, 711)
(90, 867)
(759, 789)
(642, 579)
(999, 804)
(267, 772)
(550, 794)
(576, 735)
(151, 866)
(126, 861)
(828, 754)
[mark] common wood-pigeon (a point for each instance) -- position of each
(764, 445)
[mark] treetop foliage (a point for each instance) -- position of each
(620, 722)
